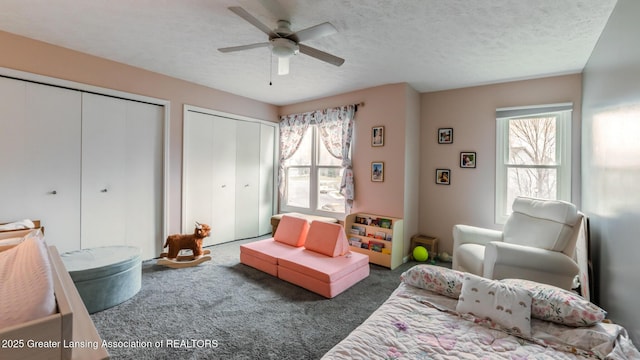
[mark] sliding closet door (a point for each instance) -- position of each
(121, 174)
(104, 153)
(224, 184)
(53, 155)
(210, 175)
(144, 185)
(198, 171)
(247, 179)
(40, 158)
(13, 142)
(227, 176)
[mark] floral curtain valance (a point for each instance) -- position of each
(336, 131)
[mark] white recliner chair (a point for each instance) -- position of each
(537, 243)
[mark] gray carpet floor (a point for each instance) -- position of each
(223, 309)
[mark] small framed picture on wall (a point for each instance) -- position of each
(377, 171)
(443, 176)
(377, 136)
(468, 159)
(445, 136)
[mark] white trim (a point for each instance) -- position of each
(47, 80)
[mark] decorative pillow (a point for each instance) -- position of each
(26, 283)
(327, 239)
(504, 304)
(560, 306)
(438, 279)
(291, 231)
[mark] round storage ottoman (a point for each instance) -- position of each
(105, 276)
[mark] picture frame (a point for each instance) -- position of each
(377, 171)
(443, 176)
(468, 159)
(445, 136)
(377, 136)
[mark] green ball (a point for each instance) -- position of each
(420, 253)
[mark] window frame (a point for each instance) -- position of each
(564, 120)
(314, 170)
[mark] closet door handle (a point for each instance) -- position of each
(53, 192)
(103, 190)
(246, 185)
(224, 186)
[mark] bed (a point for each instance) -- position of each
(63, 331)
(439, 313)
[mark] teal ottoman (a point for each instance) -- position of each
(105, 276)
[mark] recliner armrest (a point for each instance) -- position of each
(463, 234)
(505, 260)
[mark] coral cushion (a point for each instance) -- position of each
(327, 239)
(292, 231)
(320, 267)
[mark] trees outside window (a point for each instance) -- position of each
(533, 155)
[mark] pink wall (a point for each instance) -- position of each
(471, 113)
(384, 106)
(20, 53)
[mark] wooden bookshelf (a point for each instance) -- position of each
(380, 237)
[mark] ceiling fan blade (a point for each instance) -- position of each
(244, 47)
(314, 32)
(252, 20)
(321, 55)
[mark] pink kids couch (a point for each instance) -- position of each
(314, 256)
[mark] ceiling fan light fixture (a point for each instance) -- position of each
(283, 65)
(282, 47)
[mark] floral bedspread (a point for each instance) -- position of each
(418, 324)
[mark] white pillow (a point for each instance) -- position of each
(509, 306)
(26, 282)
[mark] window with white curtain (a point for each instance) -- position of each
(533, 155)
(313, 177)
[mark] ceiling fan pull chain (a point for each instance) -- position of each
(270, 68)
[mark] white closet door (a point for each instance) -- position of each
(53, 117)
(13, 145)
(247, 179)
(103, 218)
(121, 174)
(198, 170)
(267, 150)
(40, 159)
(224, 180)
(143, 174)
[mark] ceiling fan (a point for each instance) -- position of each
(285, 43)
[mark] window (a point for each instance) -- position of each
(312, 178)
(533, 155)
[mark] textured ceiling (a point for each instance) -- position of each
(430, 44)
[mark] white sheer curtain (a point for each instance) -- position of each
(336, 131)
(292, 130)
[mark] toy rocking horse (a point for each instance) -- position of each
(193, 242)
